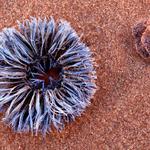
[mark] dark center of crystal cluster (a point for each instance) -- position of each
(44, 73)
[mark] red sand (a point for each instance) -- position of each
(119, 115)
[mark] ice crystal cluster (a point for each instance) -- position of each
(47, 76)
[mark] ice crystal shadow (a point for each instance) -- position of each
(46, 74)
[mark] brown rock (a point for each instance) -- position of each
(141, 32)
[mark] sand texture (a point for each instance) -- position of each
(119, 115)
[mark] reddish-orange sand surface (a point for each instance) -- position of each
(119, 115)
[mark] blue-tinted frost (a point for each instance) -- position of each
(28, 103)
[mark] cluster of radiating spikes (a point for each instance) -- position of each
(23, 57)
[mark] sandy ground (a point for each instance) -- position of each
(119, 116)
